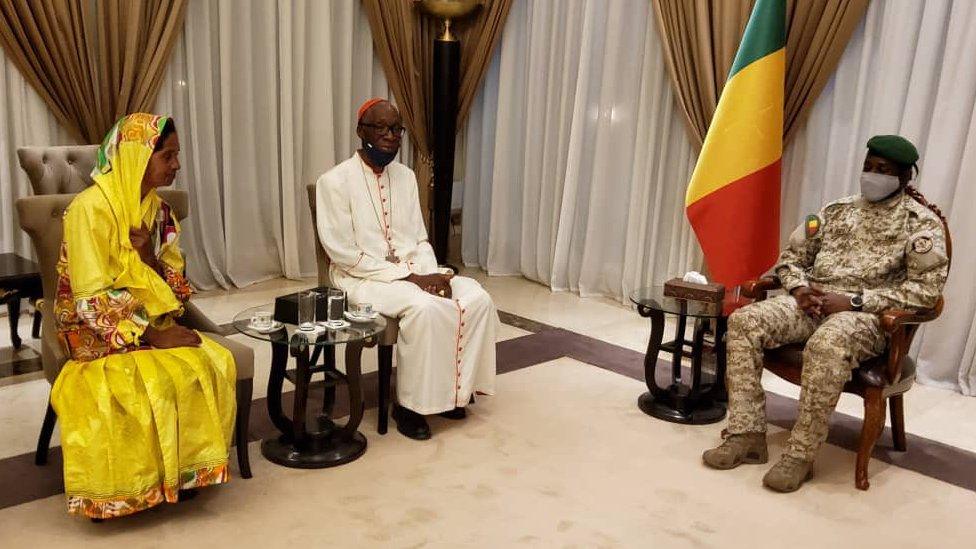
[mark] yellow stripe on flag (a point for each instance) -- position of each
(747, 130)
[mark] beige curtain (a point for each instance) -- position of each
(398, 38)
(403, 38)
(479, 37)
(700, 38)
(91, 61)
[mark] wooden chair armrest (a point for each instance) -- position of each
(893, 319)
(757, 289)
(895, 322)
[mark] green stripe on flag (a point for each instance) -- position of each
(765, 33)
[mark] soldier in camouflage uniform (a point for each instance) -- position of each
(861, 255)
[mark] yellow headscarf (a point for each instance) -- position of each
(121, 163)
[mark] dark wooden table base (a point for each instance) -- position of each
(695, 403)
(328, 445)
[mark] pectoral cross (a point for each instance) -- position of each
(392, 257)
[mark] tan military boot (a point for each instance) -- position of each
(788, 474)
(736, 450)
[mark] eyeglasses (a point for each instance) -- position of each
(395, 129)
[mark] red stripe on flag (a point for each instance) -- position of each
(738, 226)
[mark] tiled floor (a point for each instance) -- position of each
(559, 458)
(931, 413)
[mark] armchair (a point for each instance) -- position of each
(879, 380)
(63, 171)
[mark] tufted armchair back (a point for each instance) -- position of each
(58, 170)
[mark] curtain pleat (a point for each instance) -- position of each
(91, 61)
(403, 37)
(701, 37)
(265, 100)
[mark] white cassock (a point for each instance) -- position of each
(373, 231)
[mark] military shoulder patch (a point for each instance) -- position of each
(925, 251)
(922, 245)
(812, 225)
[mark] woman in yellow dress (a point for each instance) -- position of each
(146, 406)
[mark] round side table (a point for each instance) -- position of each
(684, 401)
(325, 444)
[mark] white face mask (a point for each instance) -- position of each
(878, 186)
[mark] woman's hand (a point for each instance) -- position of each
(434, 284)
(141, 240)
(172, 337)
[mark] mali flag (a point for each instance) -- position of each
(733, 196)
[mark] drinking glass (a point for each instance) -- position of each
(335, 306)
(306, 311)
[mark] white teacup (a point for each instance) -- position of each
(261, 320)
(362, 309)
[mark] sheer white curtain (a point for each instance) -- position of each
(910, 70)
(264, 95)
(582, 159)
(24, 120)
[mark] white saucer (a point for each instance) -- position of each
(361, 318)
(275, 326)
(336, 327)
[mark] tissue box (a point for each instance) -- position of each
(709, 293)
(286, 306)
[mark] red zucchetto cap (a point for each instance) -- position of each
(366, 106)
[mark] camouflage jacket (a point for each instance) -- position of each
(892, 252)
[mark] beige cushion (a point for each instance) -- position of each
(58, 170)
(321, 258)
(53, 355)
(40, 217)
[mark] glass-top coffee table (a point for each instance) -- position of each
(694, 402)
(327, 444)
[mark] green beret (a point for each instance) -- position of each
(893, 147)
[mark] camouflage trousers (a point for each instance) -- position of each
(834, 346)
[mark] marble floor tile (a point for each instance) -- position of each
(559, 458)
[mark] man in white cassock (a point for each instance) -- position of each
(370, 225)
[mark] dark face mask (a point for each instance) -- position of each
(377, 157)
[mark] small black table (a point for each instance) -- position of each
(20, 279)
(695, 402)
(327, 444)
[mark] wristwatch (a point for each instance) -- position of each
(857, 302)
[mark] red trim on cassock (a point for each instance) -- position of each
(738, 226)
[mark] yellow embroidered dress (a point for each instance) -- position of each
(137, 423)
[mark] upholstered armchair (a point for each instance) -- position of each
(387, 339)
(57, 174)
(880, 380)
